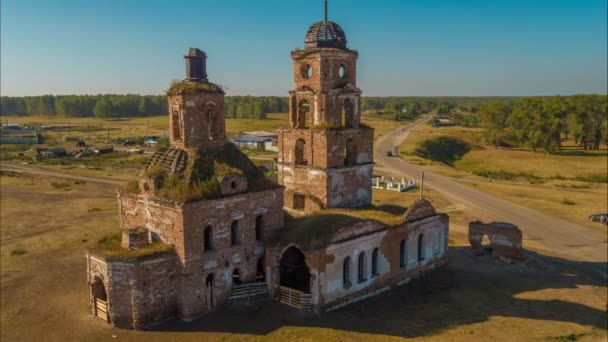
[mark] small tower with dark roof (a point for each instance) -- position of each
(196, 107)
(325, 158)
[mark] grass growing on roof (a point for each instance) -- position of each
(189, 87)
(316, 230)
(109, 246)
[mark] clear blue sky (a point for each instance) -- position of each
(411, 48)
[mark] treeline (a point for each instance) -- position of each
(540, 122)
(409, 107)
(254, 107)
(102, 106)
(120, 106)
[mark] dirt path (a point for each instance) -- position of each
(42, 172)
(557, 236)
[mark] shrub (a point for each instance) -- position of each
(444, 149)
(568, 201)
(18, 251)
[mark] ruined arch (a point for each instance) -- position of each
(209, 290)
(300, 152)
(304, 117)
(293, 271)
(348, 113)
(98, 289)
(350, 152)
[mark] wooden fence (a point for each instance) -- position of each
(247, 292)
(101, 309)
(294, 298)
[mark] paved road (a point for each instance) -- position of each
(43, 172)
(561, 237)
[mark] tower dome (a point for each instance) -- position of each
(325, 34)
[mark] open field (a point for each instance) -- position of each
(44, 294)
(570, 184)
(100, 132)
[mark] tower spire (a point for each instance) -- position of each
(325, 10)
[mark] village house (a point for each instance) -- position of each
(203, 226)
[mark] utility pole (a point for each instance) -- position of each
(148, 129)
(422, 186)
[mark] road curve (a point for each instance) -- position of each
(561, 237)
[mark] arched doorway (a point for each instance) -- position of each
(236, 277)
(260, 274)
(100, 299)
(209, 291)
(293, 270)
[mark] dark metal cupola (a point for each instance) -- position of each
(196, 65)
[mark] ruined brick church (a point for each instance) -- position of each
(205, 227)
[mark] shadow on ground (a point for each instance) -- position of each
(468, 290)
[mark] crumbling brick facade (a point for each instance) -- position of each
(214, 242)
(326, 144)
(379, 257)
(505, 239)
(197, 120)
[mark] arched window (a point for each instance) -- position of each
(375, 272)
(362, 268)
(304, 118)
(420, 247)
(402, 254)
(300, 152)
(210, 124)
(209, 291)
(350, 153)
(236, 277)
(235, 233)
(347, 113)
(207, 239)
(299, 201)
(346, 273)
(175, 122)
(259, 227)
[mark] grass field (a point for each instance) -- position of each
(571, 184)
(46, 224)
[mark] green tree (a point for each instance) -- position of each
(494, 117)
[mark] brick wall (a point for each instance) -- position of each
(197, 120)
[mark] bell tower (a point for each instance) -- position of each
(196, 107)
(325, 158)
